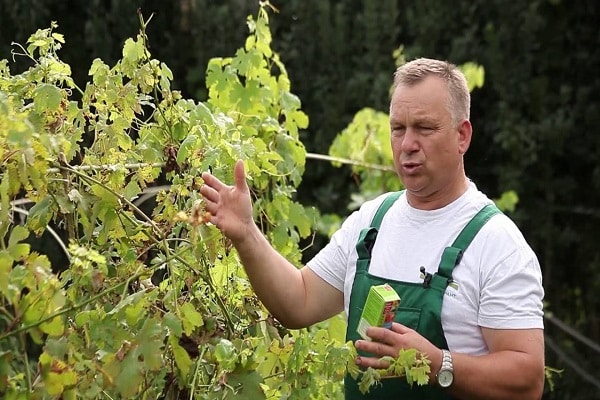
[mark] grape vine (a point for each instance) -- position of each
(152, 301)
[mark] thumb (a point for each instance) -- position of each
(239, 176)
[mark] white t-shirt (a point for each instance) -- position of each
(499, 278)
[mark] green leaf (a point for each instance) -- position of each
(201, 115)
(6, 263)
(248, 98)
(132, 51)
(337, 328)
(150, 343)
(182, 358)
(300, 118)
(35, 308)
(47, 98)
(226, 354)
(19, 251)
(99, 71)
(18, 234)
(366, 139)
(246, 61)
(56, 382)
(166, 75)
(371, 377)
(40, 215)
(130, 377)
(134, 312)
(190, 317)
(173, 323)
(247, 384)
(55, 327)
(219, 76)
(179, 131)
(474, 73)
(132, 190)
(58, 37)
(289, 101)
(187, 147)
(508, 201)
(57, 347)
(132, 299)
(82, 318)
(298, 217)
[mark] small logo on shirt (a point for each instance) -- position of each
(452, 289)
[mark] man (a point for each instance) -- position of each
(490, 306)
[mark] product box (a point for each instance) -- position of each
(379, 310)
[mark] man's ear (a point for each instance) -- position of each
(465, 131)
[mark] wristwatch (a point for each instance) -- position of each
(445, 376)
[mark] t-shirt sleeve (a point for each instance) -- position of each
(333, 261)
(330, 263)
(511, 294)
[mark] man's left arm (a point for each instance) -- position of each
(514, 368)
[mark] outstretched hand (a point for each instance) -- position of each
(230, 207)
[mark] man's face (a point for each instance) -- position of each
(427, 146)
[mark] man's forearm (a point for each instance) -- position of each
(275, 280)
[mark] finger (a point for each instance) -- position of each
(209, 193)
(211, 207)
(372, 362)
(383, 335)
(240, 176)
(374, 347)
(212, 181)
(399, 328)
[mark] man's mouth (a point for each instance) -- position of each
(410, 167)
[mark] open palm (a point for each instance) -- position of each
(230, 206)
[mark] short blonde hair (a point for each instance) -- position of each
(459, 101)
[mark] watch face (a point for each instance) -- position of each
(445, 378)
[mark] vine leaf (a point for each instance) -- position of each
(190, 318)
(47, 98)
(247, 384)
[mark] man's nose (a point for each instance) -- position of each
(410, 140)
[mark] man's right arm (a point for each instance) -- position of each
(296, 297)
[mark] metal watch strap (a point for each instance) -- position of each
(445, 376)
(447, 360)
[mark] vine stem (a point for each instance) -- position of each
(109, 167)
(50, 231)
(134, 166)
(348, 161)
(118, 196)
(23, 341)
(72, 308)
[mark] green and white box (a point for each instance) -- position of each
(379, 310)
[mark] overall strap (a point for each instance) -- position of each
(452, 255)
(383, 208)
(366, 239)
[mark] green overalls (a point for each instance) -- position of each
(420, 305)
